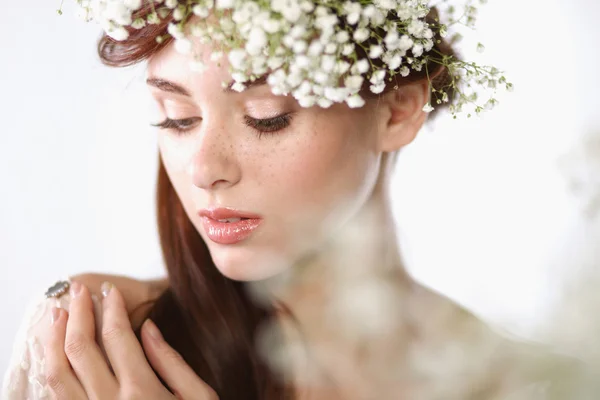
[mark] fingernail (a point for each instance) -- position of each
(55, 315)
(106, 288)
(153, 330)
(75, 289)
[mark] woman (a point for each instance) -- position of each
(284, 277)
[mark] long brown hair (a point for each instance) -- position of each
(212, 321)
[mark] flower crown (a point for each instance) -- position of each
(320, 51)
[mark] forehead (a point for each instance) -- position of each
(172, 65)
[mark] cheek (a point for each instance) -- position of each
(175, 157)
(328, 163)
(176, 153)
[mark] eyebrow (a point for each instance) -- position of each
(172, 87)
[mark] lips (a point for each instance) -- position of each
(228, 226)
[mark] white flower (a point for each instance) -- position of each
(342, 37)
(257, 40)
(271, 25)
(138, 23)
(238, 87)
(335, 94)
(175, 30)
(224, 4)
(118, 13)
(315, 48)
(377, 88)
(428, 45)
(348, 49)
(417, 28)
(307, 6)
(179, 13)
(133, 4)
(276, 78)
(391, 38)
(275, 62)
(361, 34)
(378, 18)
(303, 90)
(480, 48)
(306, 101)
(304, 45)
(200, 11)
(341, 67)
(237, 58)
(428, 108)
(294, 79)
(328, 63)
(118, 33)
(321, 77)
(353, 11)
(375, 51)
(394, 62)
(239, 77)
(299, 47)
(417, 50)
(297, 31)
(355, 101)
(354, 82)
(292, 13)
(369, 11)
(362, 66)
(153, 18)
(330, 48)
(377, 76)
(324, 103)
(303, 62)
(405, 43)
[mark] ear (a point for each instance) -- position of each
(403, 115)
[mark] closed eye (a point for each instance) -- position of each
(178, 125)
(268, 125)
(261, 126)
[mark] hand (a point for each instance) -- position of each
(77, 370)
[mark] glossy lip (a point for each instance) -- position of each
(225, 212)
(228, 232)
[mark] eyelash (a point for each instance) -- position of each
(268, 126)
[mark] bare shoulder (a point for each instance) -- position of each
(498, 364)
(135, 291)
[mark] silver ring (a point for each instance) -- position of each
(58, 289)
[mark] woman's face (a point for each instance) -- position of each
(298, 178)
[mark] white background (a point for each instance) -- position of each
(484, 210)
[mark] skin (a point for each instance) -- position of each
(310, 182)
(306, 181)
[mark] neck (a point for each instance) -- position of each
(346, 299)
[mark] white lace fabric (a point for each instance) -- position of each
(25, 378)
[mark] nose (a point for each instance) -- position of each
(214, 164)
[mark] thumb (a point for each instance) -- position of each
(172, 368)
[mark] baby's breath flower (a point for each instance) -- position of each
(360, 35)
(320, 52)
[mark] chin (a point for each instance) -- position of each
(247, 265)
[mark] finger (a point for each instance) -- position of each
(60, 379)
(173, 369)
(80, 345)
(120, 343)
